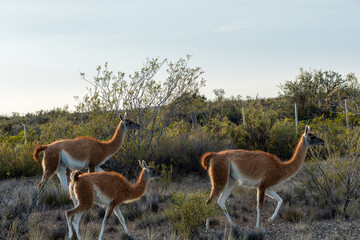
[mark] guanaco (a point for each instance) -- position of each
(109, 189)
(255, 169)
(79, 153)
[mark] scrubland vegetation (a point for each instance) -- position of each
(177, 126)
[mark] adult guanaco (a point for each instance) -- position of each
(255, 169)
(79, 153)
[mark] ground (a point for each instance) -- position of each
(298, 219)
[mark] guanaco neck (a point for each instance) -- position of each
(114, 144)
(291, 167)
(139, 188)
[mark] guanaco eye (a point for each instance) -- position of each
(311, 136)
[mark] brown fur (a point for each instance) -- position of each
(81, 149)
(205, 159)
(254, 168)
(219, 170)
(37, 150)
(113, 185)
(254, 165)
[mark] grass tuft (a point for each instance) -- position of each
(255, 235)
(58, 232)
(292, 214)
(132, 211)
(187, 214)
(54, 196)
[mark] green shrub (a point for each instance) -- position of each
(58, 128)
(183, 151)
(16, 160)
(161, 185)
(189, 213)
(257, 128)
(283, 138)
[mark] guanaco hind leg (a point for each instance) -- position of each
(269, 192)
(222, 201)
(259, 206)
(224, 196)
(121, 218)
(50, 164)
(61, 173)
(109, 210)
(260, 201)
(219, 175)
(222, 185)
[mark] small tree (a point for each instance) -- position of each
(319, 92)
(256, 132)
(150, 102)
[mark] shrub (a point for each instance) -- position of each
(57, 128)
(189, 213)
(158, 192)
(283, 138)
(334, 182)
(255, 132)
(183, 151)
(17, 160)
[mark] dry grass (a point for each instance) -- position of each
(146, 218)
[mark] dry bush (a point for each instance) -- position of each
(333, 178)
(17, 203)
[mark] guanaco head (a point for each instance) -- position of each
(311, 139)
(149, 172)
(129, 125)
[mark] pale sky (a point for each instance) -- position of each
(246, 47)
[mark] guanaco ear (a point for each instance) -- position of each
(145, 165)
(121, 117)
(307, 129)
(140, 163)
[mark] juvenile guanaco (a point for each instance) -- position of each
(109, 189)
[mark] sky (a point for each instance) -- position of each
(246, 47)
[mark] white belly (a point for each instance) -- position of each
(70, 162)
(234, 172)
(100, 198)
